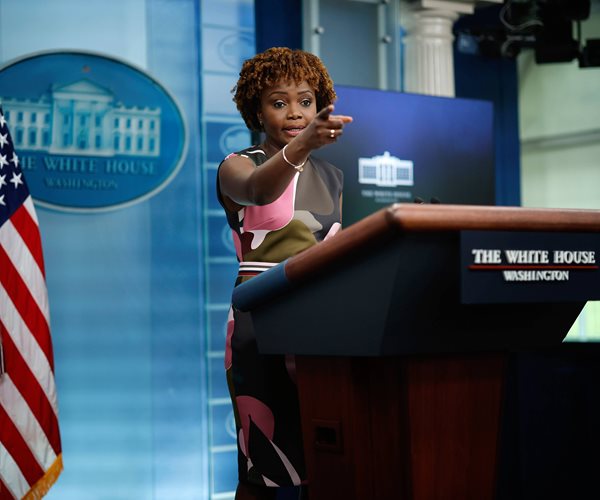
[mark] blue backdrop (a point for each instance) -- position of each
(139, 295)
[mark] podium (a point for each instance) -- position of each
(400, 364)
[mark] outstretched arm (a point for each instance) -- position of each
(242, 183)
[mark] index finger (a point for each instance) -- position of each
(342, 118)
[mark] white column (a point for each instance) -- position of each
(428, 57)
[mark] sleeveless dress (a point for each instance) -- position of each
(262, 387)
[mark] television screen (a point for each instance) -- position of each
(406, 147)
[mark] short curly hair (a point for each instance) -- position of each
(273, 65)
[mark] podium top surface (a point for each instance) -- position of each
(410, 217)
(438, 217)
(399, 219)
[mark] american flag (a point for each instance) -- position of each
(30, 447)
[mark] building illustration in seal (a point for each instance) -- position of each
(83, 118)
(385, 171)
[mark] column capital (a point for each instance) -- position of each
(430, 23)
(456, 6)
(428, 60)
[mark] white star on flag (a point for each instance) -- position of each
(3, 161)
(2, 120)
(2, 181)
(16, 179)
(15, 159)
(2, 200)
(3, 140)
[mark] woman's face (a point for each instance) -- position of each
(285, 110)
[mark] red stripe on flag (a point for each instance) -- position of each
(26, 305)
(30, 389)
(17, 447)
(5, 493)
(29, 231)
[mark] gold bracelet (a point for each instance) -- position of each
(299, 168)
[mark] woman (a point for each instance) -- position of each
(279, 200)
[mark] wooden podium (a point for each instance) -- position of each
(401, 382)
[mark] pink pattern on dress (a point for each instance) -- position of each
(333, 230)
(250, 408)
(261, 415)
(261, 220)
